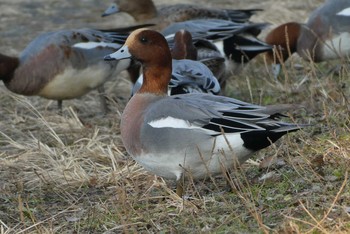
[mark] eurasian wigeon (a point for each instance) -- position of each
(188, 75)
(63, 64)
(325, 36)
(188, 134)
(146, 12)
(236, 42)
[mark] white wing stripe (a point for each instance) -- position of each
(344, 12)
(171, 122)
(92, 45)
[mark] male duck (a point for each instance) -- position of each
(192, 134)
(325, 36)
(63, 64)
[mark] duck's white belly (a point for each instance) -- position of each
(210, 158)
(73, 83)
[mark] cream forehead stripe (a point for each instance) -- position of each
(131, 37)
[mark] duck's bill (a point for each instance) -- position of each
(122, 53)
(112, 9)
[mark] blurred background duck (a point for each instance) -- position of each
(145, 11)
(64, 64)
(325, 36)
(236, 43)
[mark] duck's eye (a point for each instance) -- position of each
(143, 40)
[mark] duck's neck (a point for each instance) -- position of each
(156, 79)
(8, 66)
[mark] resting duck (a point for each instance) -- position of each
(235, 42)
(146, 12)
(190, 134)
(325, 36)
(188, 75)
(64, 64)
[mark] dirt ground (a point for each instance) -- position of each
(70, 173)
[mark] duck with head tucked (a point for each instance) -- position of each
(325, 36)
(235, 42)
(146, 12)
(189, 134)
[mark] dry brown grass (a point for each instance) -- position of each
(71, 174)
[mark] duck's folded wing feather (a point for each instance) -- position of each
(194, 74)
(213, 115)
(212, 29)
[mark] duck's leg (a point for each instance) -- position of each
(103, 102)
(59, 106)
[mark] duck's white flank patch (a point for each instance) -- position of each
(344, 12)
(171, 122)
(92, 45)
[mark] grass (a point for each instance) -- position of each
(70, 173)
